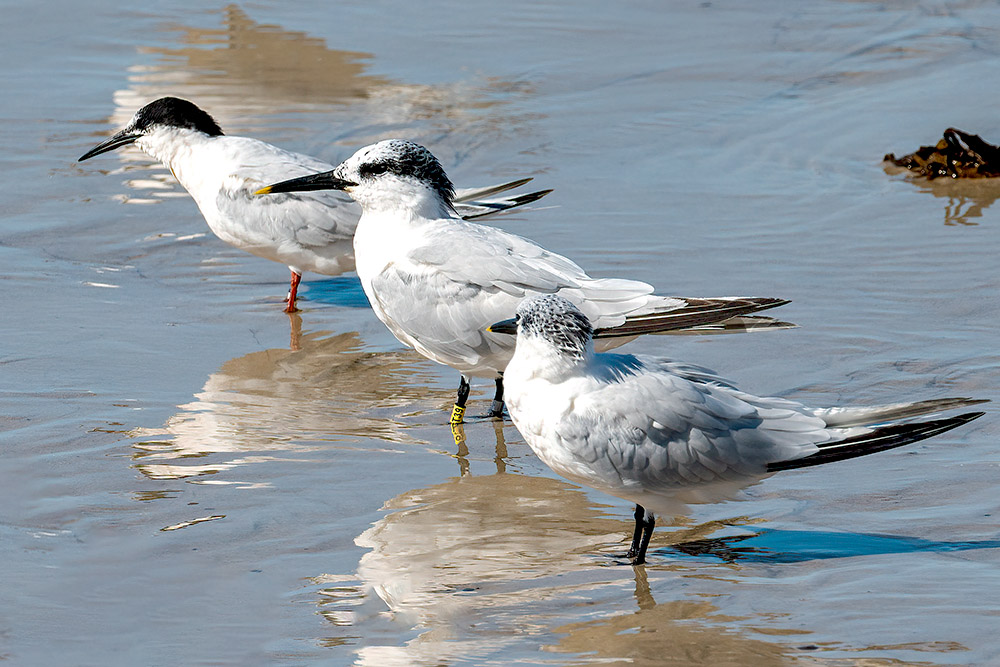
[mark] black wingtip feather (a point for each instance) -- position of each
(768, 302)
(509, 203)
(698, 312)
(879, 440)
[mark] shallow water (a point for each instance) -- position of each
(193, 477)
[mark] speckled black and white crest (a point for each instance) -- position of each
(556, 320)
(406, 159)
(175, 112)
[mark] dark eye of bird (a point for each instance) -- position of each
(374, 169)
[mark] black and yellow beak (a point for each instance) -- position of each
(504, 327)
(123, 138)
(324, 181)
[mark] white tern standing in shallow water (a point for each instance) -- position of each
(644, 429)
(438, 281)
(310, 232)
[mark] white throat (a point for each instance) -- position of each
(405, 199)
(536, 357)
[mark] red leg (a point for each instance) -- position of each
(293, 288)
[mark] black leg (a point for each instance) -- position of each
(496, 409)
(640, 538)
(640, 514)
(646, 535)
(458, 412)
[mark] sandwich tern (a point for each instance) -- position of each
(645, 429)
(309, 232)
(438, 281)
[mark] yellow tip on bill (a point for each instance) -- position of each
(264, 191)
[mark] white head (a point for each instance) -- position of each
(392, 175)
(552, 326)
(159, 124)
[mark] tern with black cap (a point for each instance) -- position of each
(438, 281)
(306, 232)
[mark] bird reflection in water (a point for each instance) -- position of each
(694, 631)
(676, 632)
(463, 570)
(250, 75)
(462, 448)
(277, 403)
(459, 561)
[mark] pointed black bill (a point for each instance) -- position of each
(122, 138)
(324, 181)
(504, 327)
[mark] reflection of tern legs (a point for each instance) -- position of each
(458, 433)
(643, 596)
(462, 451)
(501, 457)
(295, 332)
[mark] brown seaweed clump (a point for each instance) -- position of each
(957, 155)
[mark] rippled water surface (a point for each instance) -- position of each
(193, 477)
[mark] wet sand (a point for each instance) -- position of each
(193, 477)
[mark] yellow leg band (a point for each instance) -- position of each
(458, 433)
(457, 414)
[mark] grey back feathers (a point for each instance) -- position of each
(175, 112)
(556, 320)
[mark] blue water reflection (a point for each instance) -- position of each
(768, 545)
(342, 291)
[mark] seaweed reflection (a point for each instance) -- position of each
(966, 199)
